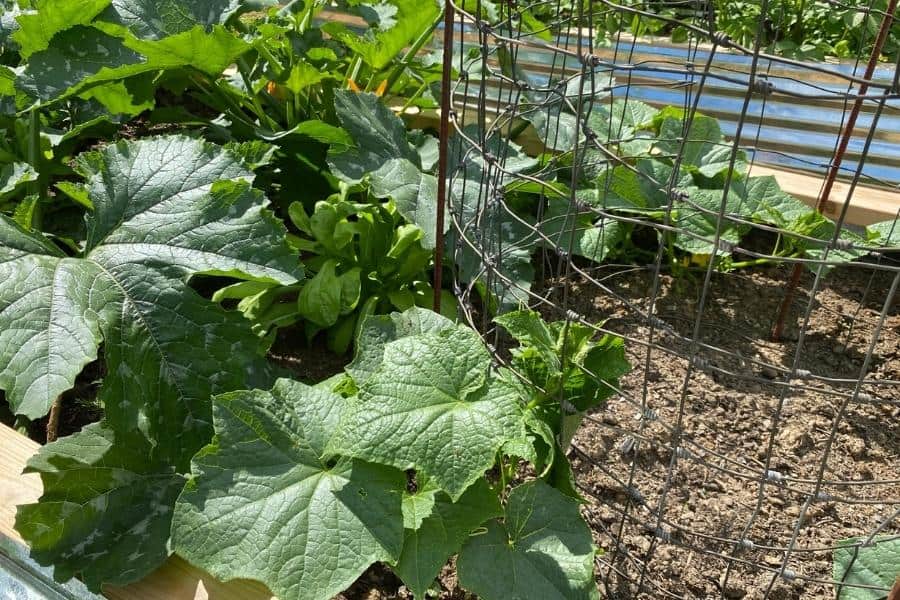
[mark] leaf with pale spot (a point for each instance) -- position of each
(106, 507)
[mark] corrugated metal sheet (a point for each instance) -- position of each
(796, 131)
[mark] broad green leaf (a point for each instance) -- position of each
(698, 216)
(541, 549)
(491, 230)
(818, 226)
(717, 162)
(267, 502)
(433, 406)
(875, 566)
(376, 331)
(119, 97)
(572, 230)
(156, 19)
(413, 192)
(164, 208)
(106, 508)
(703, 137)
(37, 28)
(85, 56)
(467, 162)
(641, 187)
(303, 75)
(320, 299)
(379, 136)
(418, 505)
(379, 46)
(428, 546)
(765, 200)
(13, 175)
(527, 327)
(884, 234)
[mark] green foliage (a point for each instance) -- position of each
(425, 448)
(163, 209)
(423, 397)
(326, 518)
(667, 163)
(807, 29)
(106, 508)
(541, 545)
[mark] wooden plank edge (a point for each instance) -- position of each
(868, 205)
(174, 580)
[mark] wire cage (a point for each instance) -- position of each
(641, 185)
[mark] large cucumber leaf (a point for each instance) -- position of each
(541, 549)
(376, 331)
(164, 208)
(876, 566)
(268, 502)
(156, 19)
(378, 134)
(48, 17)
(487, 229)
(434, 406)
(106, 509)
(441, 531)
(85, 56)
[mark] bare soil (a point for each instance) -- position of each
(739, 416)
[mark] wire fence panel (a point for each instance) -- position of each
(753, 451)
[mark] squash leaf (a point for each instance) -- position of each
(164, 209)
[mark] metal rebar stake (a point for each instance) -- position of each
(835, 165)
(444, 151)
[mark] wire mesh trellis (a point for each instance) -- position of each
(588, 180)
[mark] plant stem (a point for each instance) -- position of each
(414, 97)
(263, 116)
(21, 424)
(761, 261)
(53, 420)
(34, 158)
(410, 54)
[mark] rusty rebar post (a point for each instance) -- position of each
(835, 165)
(443, 154)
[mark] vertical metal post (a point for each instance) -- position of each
(835, 165)
(444, 151)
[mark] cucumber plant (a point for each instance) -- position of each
(414, 456)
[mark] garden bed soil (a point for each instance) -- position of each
(727, 423)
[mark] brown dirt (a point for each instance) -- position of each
(728, 414)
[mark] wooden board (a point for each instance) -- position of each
(868, 204)
(175, 580)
